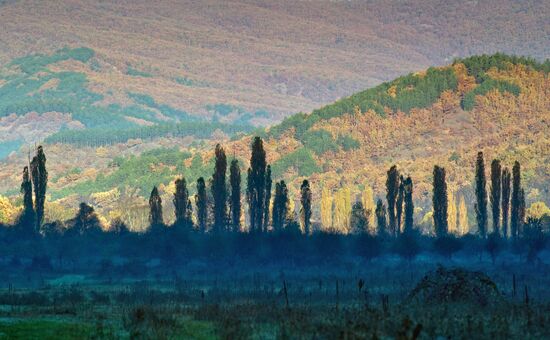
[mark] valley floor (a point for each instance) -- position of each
(347, 300)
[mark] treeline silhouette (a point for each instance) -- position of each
(211, 225)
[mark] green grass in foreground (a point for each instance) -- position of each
(44, 329)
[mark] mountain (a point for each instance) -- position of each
(444, 115)
(257, 61)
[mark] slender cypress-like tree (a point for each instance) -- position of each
(381, 218)
(182, 204)
(399, 204)
(392, 188)
(219, 190)
(235, 201)
(409, 204)
(201, 201)
(358, 221)
(440, 201)
(280, 206)
(155, 208)
(305, 211)
(481, 196)
(268, 184)
(505, 204)
(496, 183)
(39, 176)
(516, 200)
(26, 220)
(256, 185)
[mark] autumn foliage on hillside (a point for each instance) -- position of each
(506, 125)
(414, 122)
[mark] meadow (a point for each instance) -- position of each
(238, 295)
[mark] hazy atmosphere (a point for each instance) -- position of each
(274, 169)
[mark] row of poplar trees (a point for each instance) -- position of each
(221, 210)
(35, 180)
(506, 197)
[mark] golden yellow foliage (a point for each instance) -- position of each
(55, 211)
(538, 210)
(326, 208)
(367, 198)
(8, 212)
(463, 227)
(102, 151)
(392, 91)
(342, 210)
(105, 198)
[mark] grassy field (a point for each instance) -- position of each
(345, 300)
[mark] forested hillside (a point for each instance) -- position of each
(261, 60)
(444, 115)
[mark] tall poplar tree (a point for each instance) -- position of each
(182, 204)
(505, 204)
(280, 206)
(268, 183)
(219, 190)
(201, 201)
(305, 210)
(496, 183)
(392, 188)
(155, 208)
(27, 216)
(358, 221)
(399, 204)
(481, 196)
(235, 201)
(409, 204)
(326, 208)
(39, 176)
(515, 217)
(381, 218)
(256, 185)
(440, 201)
(370, 206)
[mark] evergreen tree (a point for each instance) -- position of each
(201, 201)
(505, 204)
(39, 176)
(182, 204)
(496, 182)
(516, 201)
(359, 222)
(268, 183)
(256, 185)
(305, 210)
(409, 204)
(280, 206)
(27, 216)
(235, 202)
(155, 208)
(381, 217)
(481, 196)
(392, 188)
(219, 190)
(440, 202)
